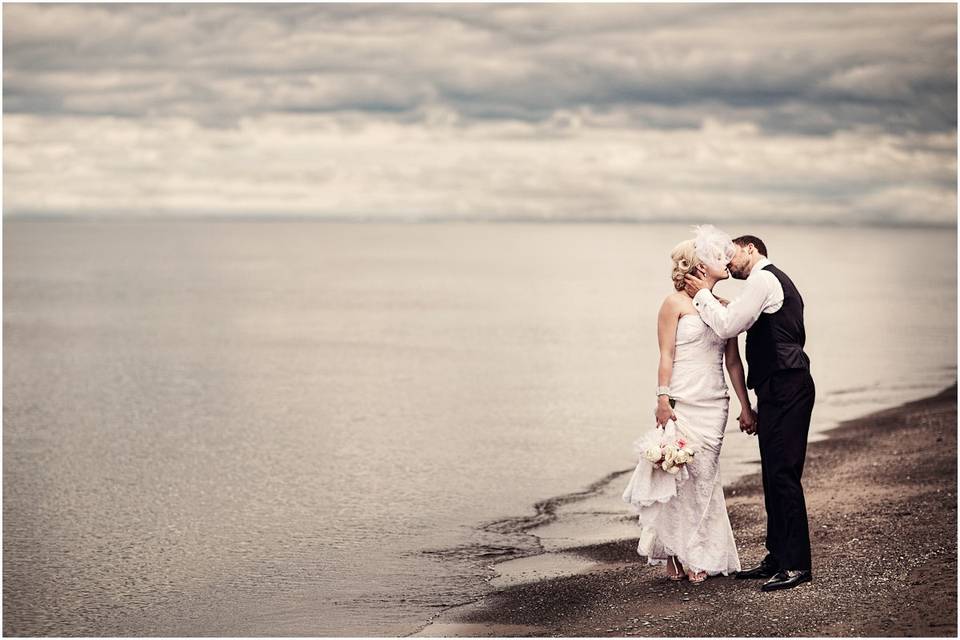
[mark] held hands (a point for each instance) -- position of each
(664, 412)
(748, 421)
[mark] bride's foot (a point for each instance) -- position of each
(674, 570)
(697, 577)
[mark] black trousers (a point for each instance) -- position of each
(784, 404)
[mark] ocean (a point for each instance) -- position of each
(250, 427)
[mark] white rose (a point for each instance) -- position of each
(667, 465)
(653, 453)
(669, 452)
(673, 470)
(681, 457)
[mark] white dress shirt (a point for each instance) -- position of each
(762, 294)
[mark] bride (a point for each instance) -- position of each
(688, 529)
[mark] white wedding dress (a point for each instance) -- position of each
(693, 524)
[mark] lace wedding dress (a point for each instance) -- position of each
(692, 524)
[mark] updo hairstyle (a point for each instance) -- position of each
(684, 262)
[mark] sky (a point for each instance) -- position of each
(837, 113)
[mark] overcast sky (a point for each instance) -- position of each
(833, 113)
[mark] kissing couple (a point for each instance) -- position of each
(683, 516)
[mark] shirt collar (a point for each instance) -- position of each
(760, 265)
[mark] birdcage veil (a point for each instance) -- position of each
(712, 246)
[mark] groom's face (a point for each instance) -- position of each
(738, 265)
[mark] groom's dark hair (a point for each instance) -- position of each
(755, 241)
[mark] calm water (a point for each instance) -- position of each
(289, 428)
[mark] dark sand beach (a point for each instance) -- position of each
(882, 502)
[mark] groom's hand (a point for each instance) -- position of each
(693, 284)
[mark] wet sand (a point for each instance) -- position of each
(881, 497)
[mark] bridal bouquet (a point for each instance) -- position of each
(662, 458)
(669, 454)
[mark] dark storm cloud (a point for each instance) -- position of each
(809, 69)
(826, 113)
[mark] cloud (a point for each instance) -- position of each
(319, 163)
(643, 111)
(499, 61)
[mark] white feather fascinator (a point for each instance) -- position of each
(712, 246)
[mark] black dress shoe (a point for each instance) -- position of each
(763, 570)
(786, 580)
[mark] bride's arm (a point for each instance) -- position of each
(667, 321)
(735, 369)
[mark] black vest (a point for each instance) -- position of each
(775, 341)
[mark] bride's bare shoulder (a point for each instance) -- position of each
(673, 302)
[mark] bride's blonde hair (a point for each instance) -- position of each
(684, 261)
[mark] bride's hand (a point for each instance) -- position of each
(664, 411)
(748, 421)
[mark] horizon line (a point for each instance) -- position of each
(361, 219)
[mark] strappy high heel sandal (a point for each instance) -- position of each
(672, 560)
(697, 578)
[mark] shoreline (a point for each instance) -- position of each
(881, 566)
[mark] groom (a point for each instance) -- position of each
(770, 310)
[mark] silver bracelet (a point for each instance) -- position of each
(663, 391)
